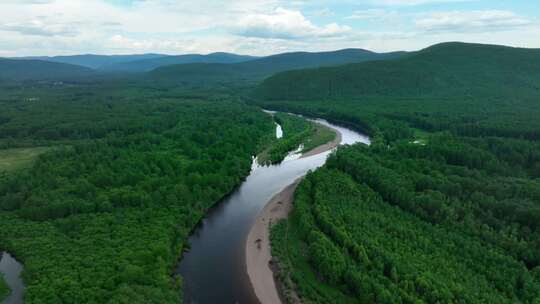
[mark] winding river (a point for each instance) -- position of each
(214, 269)
(11, 269)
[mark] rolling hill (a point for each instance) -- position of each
(145, 65)
(40, 70)
(443, 69)
(94, 61)
(258, 69)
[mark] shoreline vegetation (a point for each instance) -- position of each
(4, 288)
(298, 132)
(137, 166)
(262, 267)
(444, 206)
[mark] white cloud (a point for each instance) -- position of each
(374, 13)
(471, 21)
(41, 26)
(325, 12)
(285, 24)
(258, 27)
(412, 2)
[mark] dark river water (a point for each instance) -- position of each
(11, 270)
(214, 270)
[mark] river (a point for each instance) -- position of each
(214, 269)
(11, 269)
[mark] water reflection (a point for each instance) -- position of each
(214, 269)
(11, 269)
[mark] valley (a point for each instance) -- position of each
(401, 177)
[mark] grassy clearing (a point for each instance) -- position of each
(320, 136)
(19, 158)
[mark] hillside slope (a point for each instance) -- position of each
(40, 70)
(443, 69)
(443, 206)
(255, 70)
(94, 61)
(153, 63)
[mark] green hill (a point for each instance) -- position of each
(258, 69)
(40, 70)
(94, 61)
(443, 69)
(146, 65)
(443, 206)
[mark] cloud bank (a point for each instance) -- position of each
(258, 27)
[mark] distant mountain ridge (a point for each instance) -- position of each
(40, 70)
(93, 61)
(443, 69)
(145, 65)
(187, 69)
(258, 69)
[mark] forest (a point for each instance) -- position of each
(4, 289)
(412, 203)
(298, 134)
(442, 207)
(104, 214)
(102, 180)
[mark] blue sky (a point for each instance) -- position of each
(258, 27)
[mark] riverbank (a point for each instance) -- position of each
(10, 272)
(326, 147)
(258, 250)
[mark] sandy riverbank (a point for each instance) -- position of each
(258, 251)
(323, 148)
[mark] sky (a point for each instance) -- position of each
(258, 27)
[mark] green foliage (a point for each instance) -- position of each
(320, 136)
(40, 70)
(450, 219)
(4, 288)
(371, 251)
(106, 218)
(441, 70)
(295, 129)
(297, 133)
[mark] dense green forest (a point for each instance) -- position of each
(104, 215)
(446, 69)
(39, 70)
(102, 181)
(4, 289)
(444, 205)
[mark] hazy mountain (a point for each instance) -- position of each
(40, 70)
(263, 67)
(146, 65)
(95, 61)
